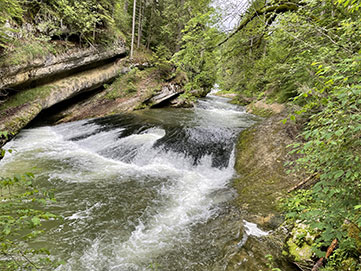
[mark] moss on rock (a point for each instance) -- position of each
(260, 157)
(261, 181)
(299, 245)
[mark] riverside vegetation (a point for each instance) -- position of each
(305, 54)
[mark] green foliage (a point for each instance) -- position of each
(332, 149)
(125, 85)
(86, 18)
(4, 136)
(9, 10)
(165, 21)
(85, 22)
(162, 60)
(276, 58)
(121, 18)
(20, 222)
(20, 51)
(242, 66)
(311, 57)
(197, 57)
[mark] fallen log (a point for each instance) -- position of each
(331, 248)
(329, 252)
(318, 264)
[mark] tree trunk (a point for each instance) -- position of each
(180, 27)
(125, 6)
(329, 252)
(139, 24)
(133, 30)
(149, 30)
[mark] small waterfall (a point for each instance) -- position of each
(136, 190)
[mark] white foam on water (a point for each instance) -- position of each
(84, 213)
(82, 162)
(215, 89)
(190, 196)
(253, 230)
(189, 202)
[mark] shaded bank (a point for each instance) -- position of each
(261, 181)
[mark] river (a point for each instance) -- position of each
(150, 190)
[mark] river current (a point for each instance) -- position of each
(150, 190)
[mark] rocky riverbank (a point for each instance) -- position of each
(262, 181)
(81, 83)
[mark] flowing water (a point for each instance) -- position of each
(149, 190)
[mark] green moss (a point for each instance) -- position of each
(27, 96)
(22, 118)
(127, 85)
(262, 112)
(26, 49)
(254, 181)
(261, 179)
(300, 243)
(299, 253)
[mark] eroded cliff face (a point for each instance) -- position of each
(44, 82)
(125, 94)
(53, 80)
(24, 106)
(50, 65)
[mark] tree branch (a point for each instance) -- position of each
(275, 9)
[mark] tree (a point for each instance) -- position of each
(140, 21)
(196, 56)
(133, 29)
(310, 56)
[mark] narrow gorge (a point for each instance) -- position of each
(172, 135)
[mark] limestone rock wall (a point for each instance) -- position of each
(26, 105)
(11, 76)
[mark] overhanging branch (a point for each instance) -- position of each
(281, 7)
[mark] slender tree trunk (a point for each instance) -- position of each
(139, 24)
(133, 30)
(125, 6)
(149, 32)
(180, 27)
